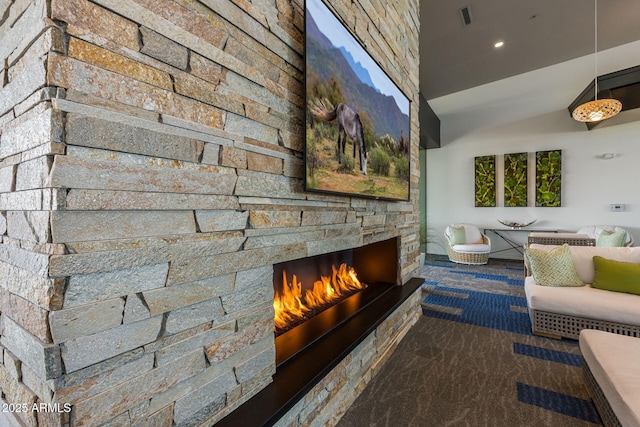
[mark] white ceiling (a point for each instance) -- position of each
(533, 95)
(536, 33)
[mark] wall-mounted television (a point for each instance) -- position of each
(356, 118)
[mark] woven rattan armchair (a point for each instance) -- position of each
(474, 249)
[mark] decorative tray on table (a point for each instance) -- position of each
(515, 225)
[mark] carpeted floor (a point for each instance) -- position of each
(471, 360)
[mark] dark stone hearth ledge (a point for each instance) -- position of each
(295, 378)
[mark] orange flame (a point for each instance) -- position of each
(291, 306)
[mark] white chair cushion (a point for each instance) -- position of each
(612, 359)
(584, 301)
(476, 248)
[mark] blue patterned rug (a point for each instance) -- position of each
(471, 360)
(492, 296)
(504, 312)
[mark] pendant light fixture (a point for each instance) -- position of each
(599, 109)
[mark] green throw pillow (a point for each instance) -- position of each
(457, 235)
(616, 276)
(554, 267)
(609, 239)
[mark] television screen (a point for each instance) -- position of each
(357, 120)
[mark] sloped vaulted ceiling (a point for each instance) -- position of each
(537, 34)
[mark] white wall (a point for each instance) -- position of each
(528, 113)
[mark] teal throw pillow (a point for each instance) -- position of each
(609, 239)
(554, 267)
(616, 276)
(457, 235)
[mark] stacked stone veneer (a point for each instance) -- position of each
(151, 174)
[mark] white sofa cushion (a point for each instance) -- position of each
(584, 301)
(612, 359)
(583, 257)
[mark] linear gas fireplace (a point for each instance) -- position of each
(294, 303)
(337, 342)
(314, 295)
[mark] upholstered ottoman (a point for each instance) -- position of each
(612, 375)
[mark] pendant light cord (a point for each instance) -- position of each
(598, 109)
(596, 48)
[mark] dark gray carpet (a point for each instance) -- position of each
(472, 361)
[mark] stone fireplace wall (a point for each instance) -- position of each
(151, 173)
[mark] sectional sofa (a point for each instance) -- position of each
(612, 376)
(563, 311)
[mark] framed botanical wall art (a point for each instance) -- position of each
(485, 181)
(549, 178)
(515, 179)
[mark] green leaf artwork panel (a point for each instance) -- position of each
(485, 181)
(549, 178)
(515, 180)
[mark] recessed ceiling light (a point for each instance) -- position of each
(498, 44)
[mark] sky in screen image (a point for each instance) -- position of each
(340, 37)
